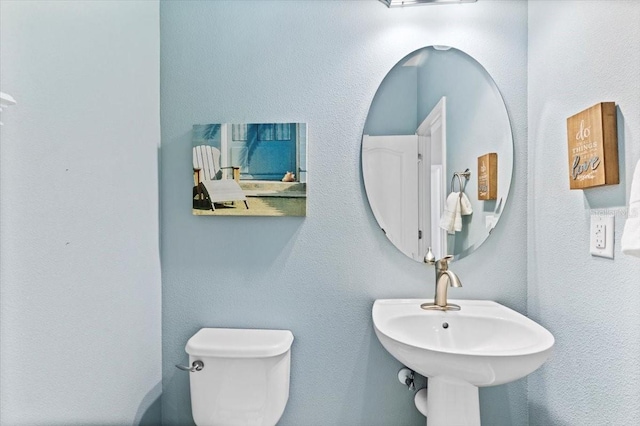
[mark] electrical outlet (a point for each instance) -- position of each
(602, 235)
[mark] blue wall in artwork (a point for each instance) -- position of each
(319, 62)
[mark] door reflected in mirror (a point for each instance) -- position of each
(437, 114)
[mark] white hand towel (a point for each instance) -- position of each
(457, 223)
(451, 210)
(630, 242)
(465, 205)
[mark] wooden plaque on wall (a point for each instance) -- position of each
(488, 176)
(593, 147)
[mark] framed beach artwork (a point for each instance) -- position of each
(250, 169)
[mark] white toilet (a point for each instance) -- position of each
(239, 376)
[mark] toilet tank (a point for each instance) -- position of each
(245, 379)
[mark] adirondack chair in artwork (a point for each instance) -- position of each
(210, 186)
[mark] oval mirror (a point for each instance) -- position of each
(437, 154)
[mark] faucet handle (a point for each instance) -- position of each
(448, 258)
(443, 264)
(429, 258)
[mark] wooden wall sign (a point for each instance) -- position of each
(593, 147)
(488, 176)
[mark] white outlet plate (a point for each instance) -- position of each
(602, 239)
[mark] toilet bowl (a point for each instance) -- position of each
(239, 376)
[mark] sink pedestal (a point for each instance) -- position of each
(452, 402)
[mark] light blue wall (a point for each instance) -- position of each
(319, 62)
(79, 229)
(582, 53)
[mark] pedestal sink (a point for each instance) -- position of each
(482, 344)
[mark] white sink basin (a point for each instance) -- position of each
(482, 344)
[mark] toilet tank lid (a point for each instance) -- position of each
(239, 343)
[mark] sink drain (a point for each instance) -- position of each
(445, 325)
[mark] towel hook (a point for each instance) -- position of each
(466, 174)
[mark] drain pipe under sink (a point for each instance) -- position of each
(406, 376)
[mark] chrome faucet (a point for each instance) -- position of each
(444, 278)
